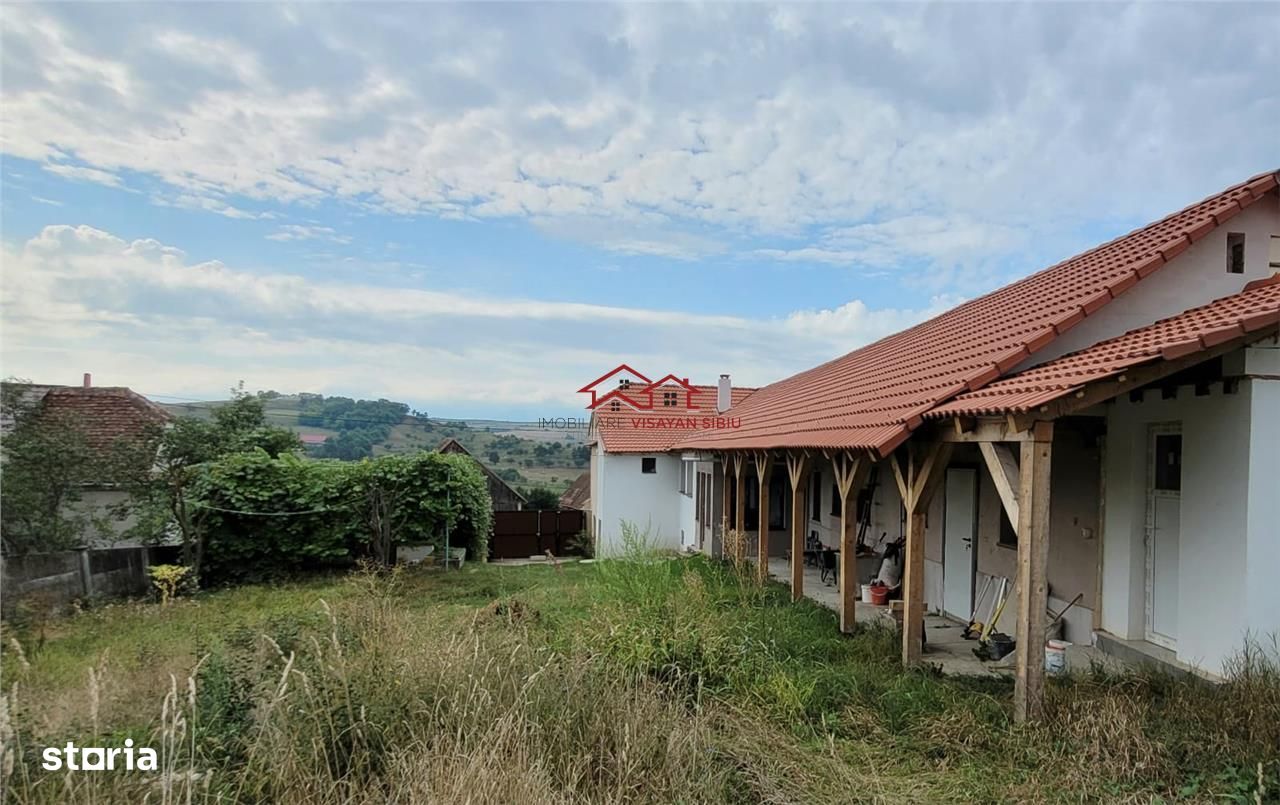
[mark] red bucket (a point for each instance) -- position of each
(879, 594)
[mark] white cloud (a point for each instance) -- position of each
(940, 241)
(84, 174)
(288, 232)
(803, 121)
(141, 313)
(189, 201)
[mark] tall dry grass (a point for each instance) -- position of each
(639, 680)
(382, 707)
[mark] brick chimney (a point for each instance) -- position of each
(88, 380)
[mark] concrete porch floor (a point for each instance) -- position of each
(945, 645)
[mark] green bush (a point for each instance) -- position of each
(268, 516)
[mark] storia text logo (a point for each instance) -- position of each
(97, 758)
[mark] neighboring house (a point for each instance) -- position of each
(312, 439)
(638, 475)
(107, 416)
(1106, 427)
(578, 495)
(505, 498)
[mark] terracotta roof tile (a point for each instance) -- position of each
(866, 398)
(104, 414)
(1254, 309)
(578, 495)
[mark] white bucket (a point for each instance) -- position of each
(866, 593)
(1055, 657)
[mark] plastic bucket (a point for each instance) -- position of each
(866, 593)
(1055, 657)
(879, 596)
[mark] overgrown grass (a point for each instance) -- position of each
(644, 680)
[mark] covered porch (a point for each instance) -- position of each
(945, 646)
(1071, 476)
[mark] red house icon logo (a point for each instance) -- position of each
(624, 386)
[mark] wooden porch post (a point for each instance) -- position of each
(726, 502)
(917, 488)
(797, 473)
(849, 474)
(740, 516)
(764, 473)
(1033, 560)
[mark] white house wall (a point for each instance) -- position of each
(1195, 277)
(649, 501)
(1262, 522)
(1214, 581)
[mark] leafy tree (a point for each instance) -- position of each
(163, 496)
(47, 462)
(330, 512)
(539, 498)
(493, 457)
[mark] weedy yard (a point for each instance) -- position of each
(636, 681)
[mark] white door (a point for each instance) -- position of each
(959, 528)
(1164, 514)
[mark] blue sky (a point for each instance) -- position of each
(477, 208)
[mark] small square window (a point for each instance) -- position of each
(615, 406)
(670, 399)
(1235, 253)
(1168, 462)
(648, 465)
(624, 383)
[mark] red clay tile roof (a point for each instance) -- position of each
(578, 495)
(104, 414)
(873, 397)
(1254, 310)
(657, 430)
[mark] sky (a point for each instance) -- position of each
(476, 209)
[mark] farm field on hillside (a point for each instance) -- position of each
(627, 681)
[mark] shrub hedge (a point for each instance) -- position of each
(270, 516)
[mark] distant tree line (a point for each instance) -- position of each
(361, 424)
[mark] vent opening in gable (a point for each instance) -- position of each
(1235, 253)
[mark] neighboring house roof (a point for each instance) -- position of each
(452, 445)
(655, 431)
(578, 495)
(313, 438)
(28, 394)
(1256, 309)
(104, 414)
(873, 397)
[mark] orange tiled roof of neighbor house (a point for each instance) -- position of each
(873, 397)
(578, 495)
(104, 414)
(1256, 309)
(656, 430)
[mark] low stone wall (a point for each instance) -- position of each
(51, 581)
